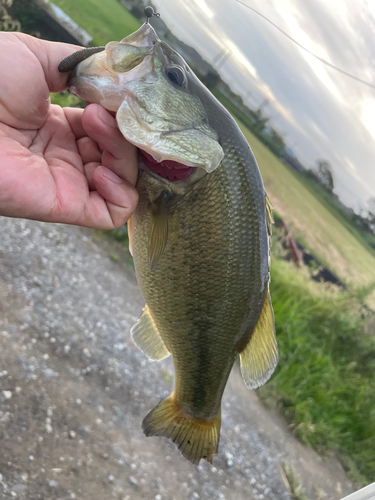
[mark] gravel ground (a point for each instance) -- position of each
(74, 390)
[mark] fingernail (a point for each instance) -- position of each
(108, 174)
(106, 117)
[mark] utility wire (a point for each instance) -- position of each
(307, 50)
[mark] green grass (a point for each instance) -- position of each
(65, 98)
(313, 220)
(246, 121)
(104, 20)
(340, 214)
(324, 382)
(295, 488)
(232, 108)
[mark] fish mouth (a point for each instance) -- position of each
(168, 169)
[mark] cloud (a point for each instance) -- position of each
(323, 112)
(204, 8)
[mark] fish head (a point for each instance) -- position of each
(156, 99)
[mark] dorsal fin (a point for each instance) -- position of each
(147, 338)
(259, 358)
(269, 216)
(158, 230)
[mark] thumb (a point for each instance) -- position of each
(120, 196)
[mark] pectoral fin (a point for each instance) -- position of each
(146, 337)
(269, 216)
(259, 358)
(158, 230)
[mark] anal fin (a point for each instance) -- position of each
(147, 338)
(259, 358)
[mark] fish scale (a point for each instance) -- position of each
(200, 242)
(211, 294)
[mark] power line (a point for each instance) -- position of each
(307, 50)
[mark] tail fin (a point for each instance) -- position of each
(195, 438)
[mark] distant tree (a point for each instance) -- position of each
(294, 163)
(278, 140)
(260, 120)
(371, 214)
(371, 205)
(138, 11)
(7, 23)
(324, 175)
(366, 219)
(211, 79)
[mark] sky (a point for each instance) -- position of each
(321, 113)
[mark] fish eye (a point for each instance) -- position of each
(176, 75)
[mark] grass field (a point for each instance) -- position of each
(345, 218)
(324, 381)
(312, 221)
(104, 20)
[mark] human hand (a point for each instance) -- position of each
(58, 165)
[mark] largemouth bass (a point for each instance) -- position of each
(200, 235)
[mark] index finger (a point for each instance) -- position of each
(31, 74)
(50, 54)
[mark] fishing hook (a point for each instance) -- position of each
(149, 12)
